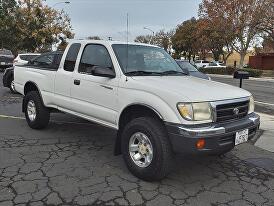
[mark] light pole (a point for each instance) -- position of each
(153, 33)
(61, 2)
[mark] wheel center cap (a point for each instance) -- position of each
(143, 149)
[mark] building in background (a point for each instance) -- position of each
(264, 61)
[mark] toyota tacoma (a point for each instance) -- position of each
(141, 92)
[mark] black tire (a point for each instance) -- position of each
(12, 89)
(161, 163)
(42, 113)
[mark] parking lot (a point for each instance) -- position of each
(72, 163)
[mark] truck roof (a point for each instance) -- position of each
(108, 42)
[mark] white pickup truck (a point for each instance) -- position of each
(141, 92)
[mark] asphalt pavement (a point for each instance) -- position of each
(72, 163)
(262, 90)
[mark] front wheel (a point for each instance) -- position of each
(37, 115)
(12, 86)
(146, 149)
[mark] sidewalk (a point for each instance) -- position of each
(268, 79)
(266, 141)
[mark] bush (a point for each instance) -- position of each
(223, 71)
(253, 72)
(230, 71)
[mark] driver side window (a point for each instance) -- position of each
(94, 55)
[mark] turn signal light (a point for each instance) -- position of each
(200, 144)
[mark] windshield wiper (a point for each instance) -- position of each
(141, 73)
(170, 72)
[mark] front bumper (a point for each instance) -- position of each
(219, 137)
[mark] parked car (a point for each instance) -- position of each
(191, 70)
(22, 59)
(6, 59)
(215, 65)
(40, 60)
(140, 91)
(201, 63)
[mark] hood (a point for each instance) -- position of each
(189, 89)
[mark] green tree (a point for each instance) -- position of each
(184, 40)
(8, 29)
(40, 25)
(29, 25)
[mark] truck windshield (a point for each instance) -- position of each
(139, 60)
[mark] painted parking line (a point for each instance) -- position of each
(58, 122)
(5, 97)
(11, 117)
(264, 103)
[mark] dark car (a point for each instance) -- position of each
(191, 70)
(50, 59)
(6, 59)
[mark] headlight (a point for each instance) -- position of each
(195, 111)
(251, 105)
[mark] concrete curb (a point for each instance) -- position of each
(265, 79)
(266, 140)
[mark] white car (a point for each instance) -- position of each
(142, 93)
(22, 59)
(201, 63)
(215, 65)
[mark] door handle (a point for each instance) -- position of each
(77, 81)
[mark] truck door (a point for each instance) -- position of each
(63, 78)
(95, 96)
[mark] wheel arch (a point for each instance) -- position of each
(29, 87)
(130, 112)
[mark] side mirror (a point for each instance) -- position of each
(103, 72)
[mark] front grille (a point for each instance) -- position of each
(229, 139)
(226, 112)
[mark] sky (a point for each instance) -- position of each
(108, 18)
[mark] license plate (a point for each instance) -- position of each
(3, 63)
(241, 137)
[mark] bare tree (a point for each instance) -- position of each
(247, 18)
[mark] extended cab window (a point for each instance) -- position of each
(94, 55)
(71, 57)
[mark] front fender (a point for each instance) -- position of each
(152, 101)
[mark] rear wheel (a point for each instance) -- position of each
(146, 149)
(37, 115)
